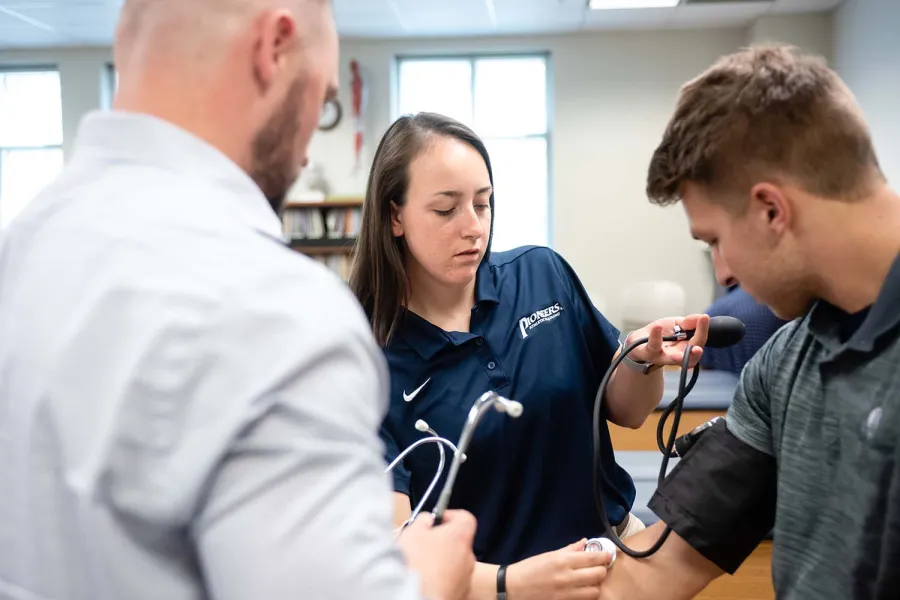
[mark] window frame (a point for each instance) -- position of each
(109, 81)
(29, 68)
(473, 58)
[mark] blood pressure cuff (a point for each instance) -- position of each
(720, 498)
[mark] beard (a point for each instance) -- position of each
(275, 165)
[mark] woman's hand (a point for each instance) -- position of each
(566, 574)
(662, 353)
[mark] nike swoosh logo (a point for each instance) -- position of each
(409, 397)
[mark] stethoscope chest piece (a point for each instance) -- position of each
(602, 545)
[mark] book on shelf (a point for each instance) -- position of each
(326, 231)
(316, 223)
(339, 263)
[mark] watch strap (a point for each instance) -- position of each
(636, 365)
(501, 583)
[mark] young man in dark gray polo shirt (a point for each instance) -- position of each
(773, 162)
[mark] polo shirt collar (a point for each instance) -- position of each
(423, 337)
(883, 316)
(147, 141)
(428, 339)
(486, 291)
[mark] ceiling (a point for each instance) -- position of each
(51, 23)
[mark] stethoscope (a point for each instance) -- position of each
(434, 439)
(723, 331)
(487, 401)
(484, 403)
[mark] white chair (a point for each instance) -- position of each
(646, 301)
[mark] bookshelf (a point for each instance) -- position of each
(325, 231)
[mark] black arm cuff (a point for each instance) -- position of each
(720, 498)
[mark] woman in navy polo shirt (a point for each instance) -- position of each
(456, 320)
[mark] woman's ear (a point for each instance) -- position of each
(396, 223)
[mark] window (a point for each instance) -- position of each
(31, 137)
(504, 100)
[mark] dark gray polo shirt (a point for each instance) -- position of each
(829, 412)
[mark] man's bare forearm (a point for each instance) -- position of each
(675, 572)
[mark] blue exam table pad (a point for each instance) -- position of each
(713, 390)
(643, 466)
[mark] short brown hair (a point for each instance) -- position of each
(766, 111)
(378, 276)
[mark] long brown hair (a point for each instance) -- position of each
(378, 276)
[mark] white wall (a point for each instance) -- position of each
(812, 33)
(612, 95)
(867, 55)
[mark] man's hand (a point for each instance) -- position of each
(566, 574)
(442, 556)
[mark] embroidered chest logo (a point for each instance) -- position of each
(538, 317)
(409, 397)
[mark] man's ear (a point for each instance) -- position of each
(276, 36)
(773, 209)
(396, 221)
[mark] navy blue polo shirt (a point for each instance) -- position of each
(535, 338)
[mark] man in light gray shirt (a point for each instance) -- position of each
(188, 409)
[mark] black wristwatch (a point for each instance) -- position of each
(501, 583)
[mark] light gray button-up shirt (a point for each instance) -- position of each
(188, 409)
